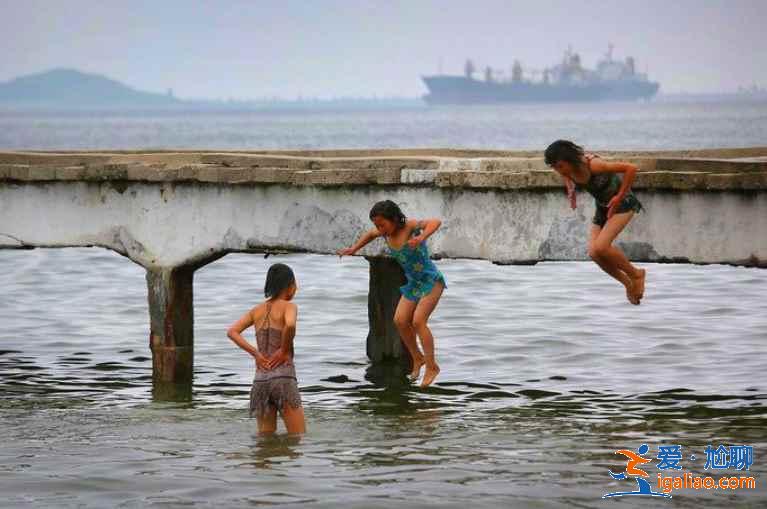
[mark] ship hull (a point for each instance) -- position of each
(463, 90)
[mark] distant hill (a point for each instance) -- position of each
(69, 88)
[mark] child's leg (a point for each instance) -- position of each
(614, 256)
(608, 267)
(420, 318)
(267, 424)
(403, 319)
(294, 419)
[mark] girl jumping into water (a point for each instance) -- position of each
(275, 388)
(615, 206)
(406, 242)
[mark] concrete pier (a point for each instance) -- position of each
(383, 342)
(173, 212)
(171, 327)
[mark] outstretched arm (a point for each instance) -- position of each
(629, 171)
(427, 226)
(570, 186)
(366, 238)
(288, 333)
(235, 334)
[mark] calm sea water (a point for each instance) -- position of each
(546, 370)
(613, 125)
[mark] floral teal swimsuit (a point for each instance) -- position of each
(420, 270)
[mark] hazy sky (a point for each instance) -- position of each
(252, 49)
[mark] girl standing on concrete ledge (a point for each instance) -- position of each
(406, 243)
(615, 206)
(275, 388)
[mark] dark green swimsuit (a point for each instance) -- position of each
(603, 186)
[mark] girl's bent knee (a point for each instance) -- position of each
(598, 251)
(402, 323)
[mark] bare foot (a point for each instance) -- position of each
(416, 371)
(631, 294)
(638, 283)
(431, 373)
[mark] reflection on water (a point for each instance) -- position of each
(545, 373)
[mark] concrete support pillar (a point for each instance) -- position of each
(383, 343)
(171, 316)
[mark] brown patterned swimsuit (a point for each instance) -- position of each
(274, 388)
(603, 186)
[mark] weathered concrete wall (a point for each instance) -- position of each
(168, 224)
(172, 212)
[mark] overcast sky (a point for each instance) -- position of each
(286, 48)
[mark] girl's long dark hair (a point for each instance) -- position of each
(388, 210)
(563, 150)
(279, 277)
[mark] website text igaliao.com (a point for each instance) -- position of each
(695, 482)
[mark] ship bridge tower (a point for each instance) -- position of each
(516, 72)
(468, 69)
(489, 74)
(630, 66)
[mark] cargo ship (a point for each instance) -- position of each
(567, 81)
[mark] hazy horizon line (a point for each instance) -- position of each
(741, 91)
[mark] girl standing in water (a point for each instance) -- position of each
(615, 206)
(406, 243)
(275, 388)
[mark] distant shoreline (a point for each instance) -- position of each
(223, 107)
(330, 105)
(713, 97)
(71, 91)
